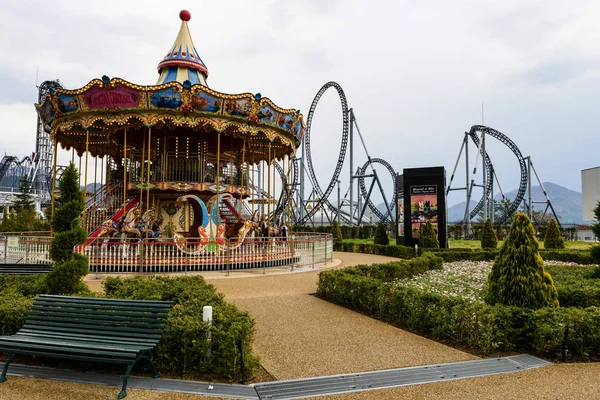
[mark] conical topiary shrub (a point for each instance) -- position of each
(553, 238)
(429, 239)
(489, 239)
(65, 276)
(381, 236)
(336, 231)
(518, 277)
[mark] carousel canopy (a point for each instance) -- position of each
(183, 61)
(109, 112)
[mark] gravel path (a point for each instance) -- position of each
(300, 336)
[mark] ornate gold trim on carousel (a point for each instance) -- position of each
(118, 102)
(189, 187)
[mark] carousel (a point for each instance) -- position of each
(189, 178)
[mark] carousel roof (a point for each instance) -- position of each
(183, 61)
(180, 104)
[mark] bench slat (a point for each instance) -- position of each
(84, 325)
(94, 331)
(89, 306)
(102, 301)
(73, 356)
(95, 320)
(74, 343)
(125, 314)
(91, 338)
(14, 345)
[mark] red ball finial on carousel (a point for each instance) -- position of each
(185, 15)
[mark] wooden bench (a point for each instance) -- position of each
(90, 329)
(24, 269)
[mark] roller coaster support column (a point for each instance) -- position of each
(529, 205)
(483, 172)
(468, 210)
(351, 140)
(339, 205)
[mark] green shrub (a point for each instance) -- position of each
(336, 231)
(65, 276)
(553, 238)
(25, 285)
(518, 277)
(576, 256)
(183, 346)
(381, 236)
(429, 239)
(14, 308)
(489, 240)
(576, 286)
(595, 253)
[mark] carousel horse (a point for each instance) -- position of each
(149, 226)
(110, 228)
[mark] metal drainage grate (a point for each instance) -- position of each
(300, 388)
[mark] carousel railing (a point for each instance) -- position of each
(104, 205)
(189, 254)
(24, 249)
(132, 255)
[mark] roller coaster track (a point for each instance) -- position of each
(363, 189)
(490, 175)
(324, 195)
(11, 161)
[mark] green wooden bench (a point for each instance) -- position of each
(90, 329)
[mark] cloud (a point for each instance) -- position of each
(415, 73)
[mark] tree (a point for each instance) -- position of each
(489, 239)
(8, 220)
(553, 238)
(429, 239)
(381, 236)
(336, 231)
(70, 267)
(24, 199)
(518, 277)
(596, 229)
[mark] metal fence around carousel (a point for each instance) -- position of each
(19, 248)
(167, 255)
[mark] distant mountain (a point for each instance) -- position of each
(566, 203)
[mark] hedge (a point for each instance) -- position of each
(565, 333)
(183, 346)
(182, 349)
(458, 254)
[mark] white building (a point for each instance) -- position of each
(590, 190)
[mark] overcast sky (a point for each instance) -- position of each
(415, 72)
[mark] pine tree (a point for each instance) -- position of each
(429, 239)
(489, 239)
(24, 199)
(518, 277)
(70, 267)
(553, 238)
(8, 220)
(381, 236)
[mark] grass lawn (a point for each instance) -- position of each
(476, 244)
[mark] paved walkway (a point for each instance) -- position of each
(301, 336)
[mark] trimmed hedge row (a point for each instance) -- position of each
(183, 346)
(550, 332)
(458, 254)
(576, 286)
